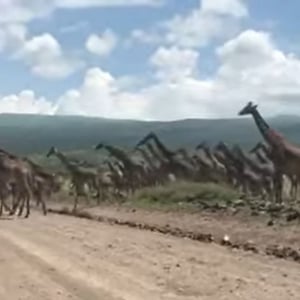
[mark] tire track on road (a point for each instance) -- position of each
(58, 270)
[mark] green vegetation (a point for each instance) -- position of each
(185, 195)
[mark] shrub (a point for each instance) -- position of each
(186, 194)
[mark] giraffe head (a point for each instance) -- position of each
(99, 146)
(248, 109)
(52, 151)
(221, 146)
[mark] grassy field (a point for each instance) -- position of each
(185, 195)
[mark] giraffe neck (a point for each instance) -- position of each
(112, 168)
(118, 154)
(260, 157)
(111, 151)
(262, 125)
(155, 154)
(228, 153)
(248, 161)
(186, 157)
(66, 162)
(147, 158)
(208, 153)
(166, 152)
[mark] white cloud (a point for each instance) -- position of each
(144, 37)
(103, 44)
(12, 36)
(45, 57)
(212, 20)
(174, 63)
(234, 8)
(26, 103)
(86, 3)
(100, 95)
(215, 19)
(75, 27)
(27, 10)
(185, 98)
(197, 29)
(24, 10)
(251, 68)
(251, 48)
(43, 53)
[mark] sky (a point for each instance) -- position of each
(149, 59)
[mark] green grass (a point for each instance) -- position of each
(185, 195)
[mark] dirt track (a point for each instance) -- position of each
(58, 257)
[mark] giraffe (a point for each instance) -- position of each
(216, 166)
(151, 168)
(4, 194)
(168, 154)
(159, 159)
(132, 171)
(263, 168)
(264, 155)
(233, 166)
(179, 169)
(261, 176)
(198, 169)
(164, 171)
(116, 177)
(147, 158)
(16, 178)
(230, 171)
(285, 155)
(203, 155)
(45, 183)
(79, 176)
(183, 152)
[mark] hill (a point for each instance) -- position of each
(26, 134)
(34, 134)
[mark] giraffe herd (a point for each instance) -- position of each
(258, 172)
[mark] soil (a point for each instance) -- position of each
(61, 257)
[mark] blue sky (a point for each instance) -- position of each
(167, 59)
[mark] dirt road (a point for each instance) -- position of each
(60, 258)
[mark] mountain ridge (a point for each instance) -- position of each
(30, 133)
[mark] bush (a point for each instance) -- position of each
(186, 194)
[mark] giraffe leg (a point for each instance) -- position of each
(27, 207)
(295, 183)
(21, 208)
(14, 206)
(278, 188)
(22, 200)
(1, 206)
(6, 207)
(75, 200)
(99, 190)
(44, 207)
(38, 199)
